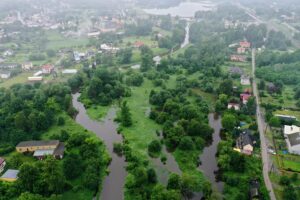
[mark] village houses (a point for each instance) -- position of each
(292, 138)
(244, 143)
(40, 149)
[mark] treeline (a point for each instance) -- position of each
(282, 67)
(28, 110)
(99, 85)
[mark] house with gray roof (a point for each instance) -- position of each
(292, 138)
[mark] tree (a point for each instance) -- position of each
(229, 121)
(28, 177)
(154, 148)
(125, 115)
(91, 178)
(29, 196)
(174, 182)
(71, 166)
(226, 87)
(152, 178)
(147, 58)
(125, 55)
(50, 53)
(52, 175)
(186, 143)
(275, 122)
(289, 193)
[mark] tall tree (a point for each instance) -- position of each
(125, 115)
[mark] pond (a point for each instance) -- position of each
(107, 131)
(184, 9)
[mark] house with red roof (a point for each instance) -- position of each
(238, 58)
(245, 97)
(47, 69)
(2, 164)
(138, 44)
(245, 44)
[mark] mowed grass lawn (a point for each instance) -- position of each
(57, 41)
(21, 78)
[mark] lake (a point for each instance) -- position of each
(184, 9)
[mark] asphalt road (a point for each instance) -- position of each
(261, 127)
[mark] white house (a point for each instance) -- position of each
(245, 80)
(69, 71)
(27, 66)
(5, 75)
(292, 138)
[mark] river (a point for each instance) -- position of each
(209, 164)
(107, 131)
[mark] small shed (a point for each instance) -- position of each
(10, 175)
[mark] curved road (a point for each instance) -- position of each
(261, 125)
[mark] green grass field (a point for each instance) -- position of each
(21, 78)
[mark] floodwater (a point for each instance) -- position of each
(107, 131)
(184, 9)
(209, 164)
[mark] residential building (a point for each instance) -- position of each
(41, 149)
(245, 80)
(109, 48)
(69, 71)
(244, 142)
(287, 118)
(245, 44)
(10, 175)
(47, 69)
(234, 106)
(235, 70)
(138, 44)
(238, 58)
(27, 66)
(292, 138)
(94, 34)
(245, 97)
(2, 164)
(5, 75)
(241, 50)
(35, 78)
(8, 66)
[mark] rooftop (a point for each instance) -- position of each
(291, 129)
(44, 152)
(10, 174)
(1, 160)
(38, 143)
(294, 139)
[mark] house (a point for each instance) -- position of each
(157, 60)
(241, 50)
(287, 118)
(234, 106)
(5, 75)
(41, 149)
(2, 164)
(245, 80)
(138, 44)
(35, 78)
(9, 66)
(109, 48)
(8, 53)
(245, 97)
(235, 70)
(244, 142)
(10, 175)
(69, 71)
(245, 44)
(292, 138)
(94, 34)
(47, 69)
(27, 66)
(238, 58)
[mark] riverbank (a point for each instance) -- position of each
(113, 184)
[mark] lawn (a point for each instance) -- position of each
(21, 78)
(288, 112)
(57, 41)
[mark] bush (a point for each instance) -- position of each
(61, 121)
(186, 143)
(154, 148)
(118, 148)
